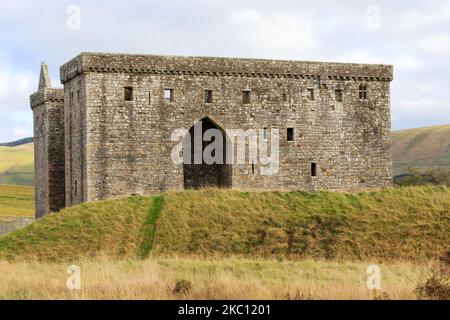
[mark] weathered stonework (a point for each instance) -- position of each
(115, 147)
(48, 114)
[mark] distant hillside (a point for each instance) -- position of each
(422, 148)
(17, 142)
(391, 224)
(17, 165)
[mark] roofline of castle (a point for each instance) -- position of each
(46, 95)
(221, 66)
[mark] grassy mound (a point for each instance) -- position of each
(111, 228)
(395, 224)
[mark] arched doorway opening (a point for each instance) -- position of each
(198, 170)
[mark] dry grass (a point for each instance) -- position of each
(230, 278)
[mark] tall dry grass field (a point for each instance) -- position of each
(196, 278)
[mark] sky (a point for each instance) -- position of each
(414, 36)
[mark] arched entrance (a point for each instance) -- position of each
(200, 169)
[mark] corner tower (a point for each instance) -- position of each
(48, 116)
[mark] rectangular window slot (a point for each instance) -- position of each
(290, 134)
(338, 95)
(311, 94)
(128, 94)
(168, 95)
(246, 97)
(208, 96)
(313, 169)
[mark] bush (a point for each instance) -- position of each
(416, 177)
(438, 286)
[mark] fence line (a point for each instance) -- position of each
(13, 224)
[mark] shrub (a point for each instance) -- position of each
(438, 286)
(183, 287)
(416, 177)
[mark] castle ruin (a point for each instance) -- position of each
(107, 132)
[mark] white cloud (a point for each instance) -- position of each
(20, 132)
(15, 89)
(274, 35)
(415, 20)
(438, 44)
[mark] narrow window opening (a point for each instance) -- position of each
(128, 94)
(253, 168)
(313, 169)
(338, 95)
(208, 96)
(149, 97)
(311, 94)
(284, 97)
(78, 97)
(246, 97)
(290, 134)
(363, 92)
(168, 95)
(265, 133)
(76, 188)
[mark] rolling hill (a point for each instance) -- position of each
(422, 148)
(16, 165)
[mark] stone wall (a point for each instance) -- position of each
(75, 141)
(116, 147)
(47, 105)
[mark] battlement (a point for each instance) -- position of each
(211, 66)
(47, 95)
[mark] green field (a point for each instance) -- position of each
(396, 224)
(422, 148)
(16, 201)
(16, 165)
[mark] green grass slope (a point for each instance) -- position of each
(402, 223)
(16, 165)
(422, 148)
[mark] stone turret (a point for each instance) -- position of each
(48, 114)
(44, 78)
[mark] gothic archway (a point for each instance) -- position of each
(198, 170)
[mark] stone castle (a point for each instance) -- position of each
(107, 132)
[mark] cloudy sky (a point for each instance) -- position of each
(414, 36)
